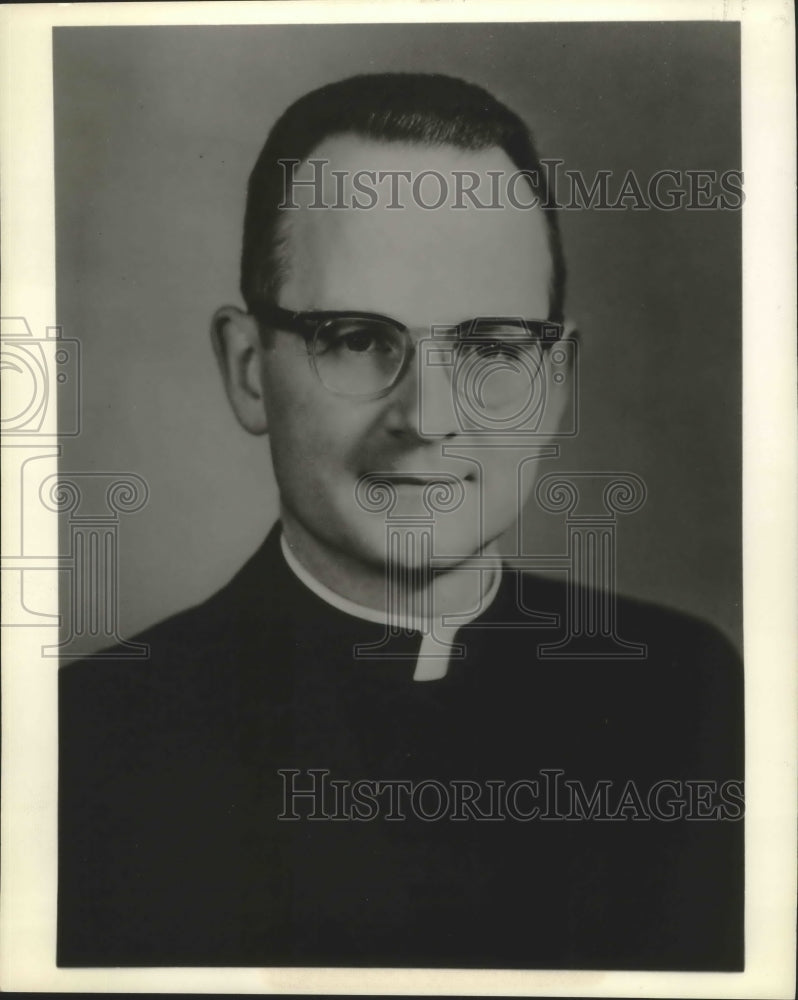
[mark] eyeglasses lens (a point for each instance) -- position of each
(358, 357)
(498, 366)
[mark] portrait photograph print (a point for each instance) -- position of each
(399, 582)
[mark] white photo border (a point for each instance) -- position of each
(29, 750)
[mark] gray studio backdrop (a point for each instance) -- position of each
(156, 130)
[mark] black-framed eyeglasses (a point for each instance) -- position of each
(363, 355)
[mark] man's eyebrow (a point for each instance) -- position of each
(482, 317)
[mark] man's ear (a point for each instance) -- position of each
(562, 382)
(570, 339)
(236, 344)
(570, 331)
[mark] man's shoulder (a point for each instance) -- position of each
(633, 646)
(638, 620)
(636, 672)
(188, 637)
(133, 684)
(199, 640)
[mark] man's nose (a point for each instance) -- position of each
(424, 400)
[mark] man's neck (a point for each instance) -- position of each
(457, 591)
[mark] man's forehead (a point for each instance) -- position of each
(373, 241)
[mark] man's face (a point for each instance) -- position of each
(423, 268)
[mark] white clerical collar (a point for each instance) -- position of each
(433, 658)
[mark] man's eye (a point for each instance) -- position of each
(350, 338)
(495, 348)
(358, 341)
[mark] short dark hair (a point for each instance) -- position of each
(429, 109)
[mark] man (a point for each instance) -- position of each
(358, 752)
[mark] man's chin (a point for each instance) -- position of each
(417, 546)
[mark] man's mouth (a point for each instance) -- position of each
(422, 478)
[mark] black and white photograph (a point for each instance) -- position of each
(381, 508)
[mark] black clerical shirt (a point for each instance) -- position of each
(179, 775)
